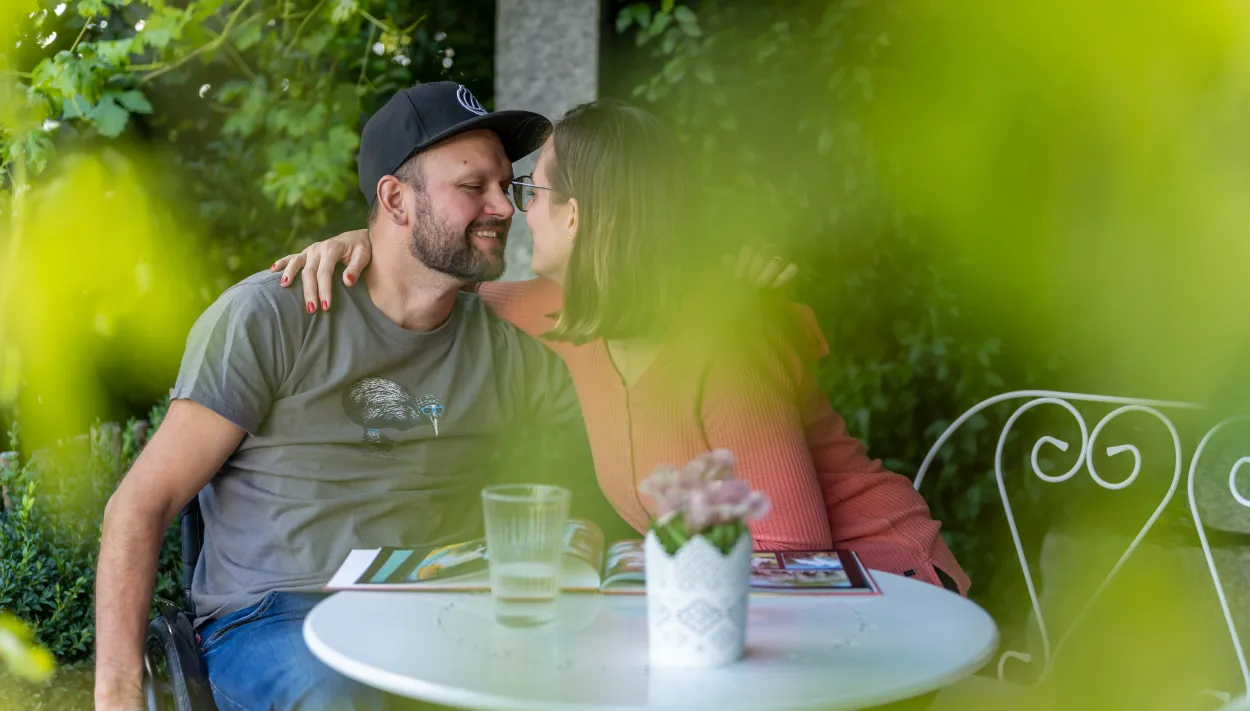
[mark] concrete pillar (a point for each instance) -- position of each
(546, 60)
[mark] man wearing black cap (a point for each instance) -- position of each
(305, 438)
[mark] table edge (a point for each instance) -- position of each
(420, 690)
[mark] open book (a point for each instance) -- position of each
(589, 566)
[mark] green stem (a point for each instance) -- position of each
(207, 47)
(238, 59)
(364, 62)
(299, 30)
(414, 25)
(81, 32)
(376, 22)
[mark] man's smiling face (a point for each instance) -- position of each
(463, 213)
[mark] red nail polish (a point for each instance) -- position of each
(311, 307)
(325, 305)
(350, 279)
(284, 281)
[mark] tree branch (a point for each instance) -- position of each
(85, 23)
(207, 47)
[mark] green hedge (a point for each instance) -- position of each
(49, 540)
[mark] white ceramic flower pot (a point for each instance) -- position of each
(697, 602)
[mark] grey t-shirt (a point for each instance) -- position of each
(359, 433)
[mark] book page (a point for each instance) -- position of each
(826, 572)
(584, 540)
(625, 566)
(462, 566)
(811, 572)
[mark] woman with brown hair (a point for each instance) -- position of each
(669, 359)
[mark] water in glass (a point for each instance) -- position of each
(525, 526)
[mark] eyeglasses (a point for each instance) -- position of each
(523, 192)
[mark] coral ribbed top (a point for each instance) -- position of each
(771, 414)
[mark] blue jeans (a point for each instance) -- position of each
(257, 661)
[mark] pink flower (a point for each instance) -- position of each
(756, 506)
(699, 513)
(664, 488)
(706, 492)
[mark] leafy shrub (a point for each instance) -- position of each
(257, 105)
(50, 537)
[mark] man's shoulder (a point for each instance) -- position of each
(507, 339)
(262, 292)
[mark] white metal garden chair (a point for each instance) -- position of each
(1196, 466)
(1089, 440)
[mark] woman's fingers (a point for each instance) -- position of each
(786, 276)
(315, 269)
(308, 280)
(761, 265)
(291, 264)
(325, 282)
(357, 258)
(769, 269)
(764, 266)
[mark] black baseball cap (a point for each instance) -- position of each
(417, 118)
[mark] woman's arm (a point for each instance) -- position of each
(748, 406)
(525, 304)
(528, 305)
(873, 511)
(826, 492)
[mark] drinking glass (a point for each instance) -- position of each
(525, 525)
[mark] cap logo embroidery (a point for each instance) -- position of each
(468, 101)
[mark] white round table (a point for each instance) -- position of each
(803, 652)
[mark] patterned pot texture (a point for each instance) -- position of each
(697, 602)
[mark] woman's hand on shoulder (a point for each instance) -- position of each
(761, 265)
(315, 266)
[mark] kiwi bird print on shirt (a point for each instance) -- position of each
(377, 403)
(430, 409)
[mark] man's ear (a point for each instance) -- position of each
(391, 200)
(573, 218)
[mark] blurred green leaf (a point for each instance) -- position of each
(92, 8)
(315, 42)
(247, 36)
(134, 101)
(164, 26)
(115, 52)
(34, 147)
(20, 654)
(109, 118)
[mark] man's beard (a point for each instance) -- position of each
(447, 250)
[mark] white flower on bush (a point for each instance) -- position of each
(706, 498)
